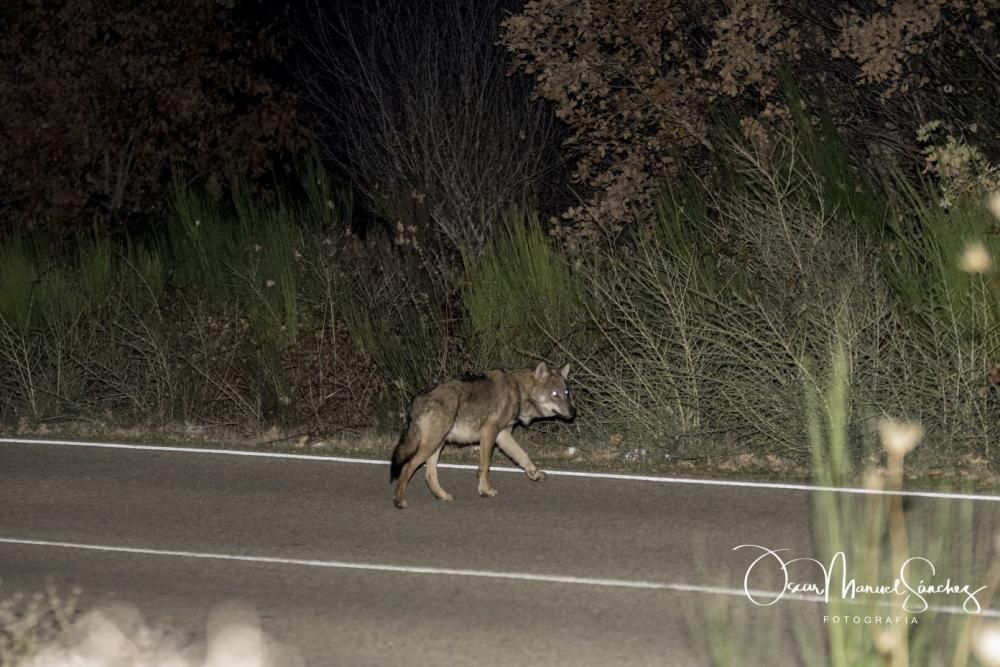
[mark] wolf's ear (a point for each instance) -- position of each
(564, 371)
(541, 371)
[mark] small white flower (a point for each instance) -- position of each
(886, 641)
(993, 204)
(987, 646)
(976, 259)
(269, 283)
(899, 438)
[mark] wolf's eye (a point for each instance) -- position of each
(555, 393)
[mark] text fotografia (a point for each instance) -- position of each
(914, 582)
(870, 620)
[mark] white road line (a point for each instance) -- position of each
(445, 571)
(556, 473)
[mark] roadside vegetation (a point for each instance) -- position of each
(947, 554)
(50, 630)
(692, 236)
(691, 336)
(29, 622)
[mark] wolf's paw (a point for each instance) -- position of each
(446, 498)
(399, 502)
(536, 475)
(488, 492)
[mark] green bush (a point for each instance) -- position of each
(521, 298)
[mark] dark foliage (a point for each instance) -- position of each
(104, 99)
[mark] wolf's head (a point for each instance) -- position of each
(548, 394)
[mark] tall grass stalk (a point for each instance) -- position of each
(835, 513)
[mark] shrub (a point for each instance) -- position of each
(522, 300)
(706, 325)
(425, 121)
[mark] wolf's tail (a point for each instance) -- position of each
(407, 447)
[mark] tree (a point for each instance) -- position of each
(642, 83)
(420, 114)
(103, 99)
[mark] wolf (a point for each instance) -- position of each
(478, 408)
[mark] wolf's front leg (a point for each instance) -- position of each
(509, 446)
(487, 438)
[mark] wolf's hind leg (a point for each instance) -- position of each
(432, 476)
(432, 434)
(508, 445)
(399, 498)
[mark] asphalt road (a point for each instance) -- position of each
(569, 571)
